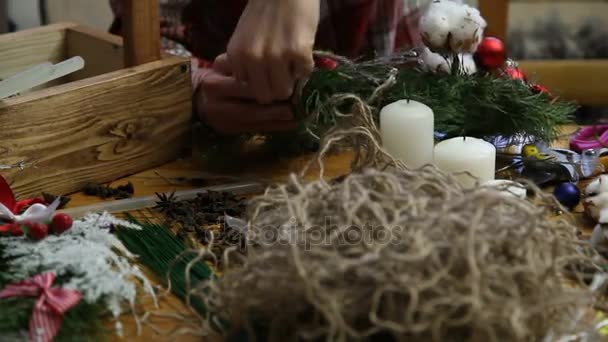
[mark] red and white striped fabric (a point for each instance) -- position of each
(48, 311)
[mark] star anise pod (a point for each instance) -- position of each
(165, 201)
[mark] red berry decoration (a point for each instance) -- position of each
(537, 88)
(516, 74)
(491, 54)
(61, 223)
(16, 230)
(38, 231)
(326, 63)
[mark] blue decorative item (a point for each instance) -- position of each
(568, 194)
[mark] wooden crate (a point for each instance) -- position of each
(99, 124)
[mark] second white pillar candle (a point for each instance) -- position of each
(466, 154)
(407, 129)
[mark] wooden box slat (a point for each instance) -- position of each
(103, 54)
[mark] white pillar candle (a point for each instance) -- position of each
(407, 129)
(465, 154)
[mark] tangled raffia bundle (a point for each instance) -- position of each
(393, 253)
(402, 254)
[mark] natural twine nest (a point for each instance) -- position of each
(405, 254)
(391, 253)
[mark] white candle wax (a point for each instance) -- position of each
(465, 154)
(407, 129)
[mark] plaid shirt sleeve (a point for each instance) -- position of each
(368, 28)
(352, 28)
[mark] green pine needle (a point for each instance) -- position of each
(158, 248)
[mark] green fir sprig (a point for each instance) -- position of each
(479, 105)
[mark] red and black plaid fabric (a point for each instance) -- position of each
(352, 28)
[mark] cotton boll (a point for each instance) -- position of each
(453, 26)
(468, 31)
(436, 24)
(468, 64)
(434, 62)
(437, 63)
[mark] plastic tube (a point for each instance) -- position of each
(137, 203)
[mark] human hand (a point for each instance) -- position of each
(272, 46)
(228, 106)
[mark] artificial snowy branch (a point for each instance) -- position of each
(97, 263)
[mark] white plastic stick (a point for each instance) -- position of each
(137, 203)
(11, 85)
(38, 75)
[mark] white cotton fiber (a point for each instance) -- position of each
(434, 62)
(437, 63)
(452, 26)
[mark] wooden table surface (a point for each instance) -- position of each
(175, 175)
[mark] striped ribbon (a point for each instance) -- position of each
(48, 311)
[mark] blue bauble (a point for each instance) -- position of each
(568, 194)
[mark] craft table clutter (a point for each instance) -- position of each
(215, 252)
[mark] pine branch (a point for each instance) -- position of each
(477, 105)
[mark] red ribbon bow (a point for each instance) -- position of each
(7, 197)
(52, 303)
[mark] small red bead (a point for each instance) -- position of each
(515, 74)
(61, 223)
(38, 231)
(537, 88)
(491, 54)
(16, 230)
(326, 63)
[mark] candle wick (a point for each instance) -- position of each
(464, 138)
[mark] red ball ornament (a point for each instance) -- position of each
(516, 74)
(491, 54)
(37, 231)
(326, 63)
(61, 223)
